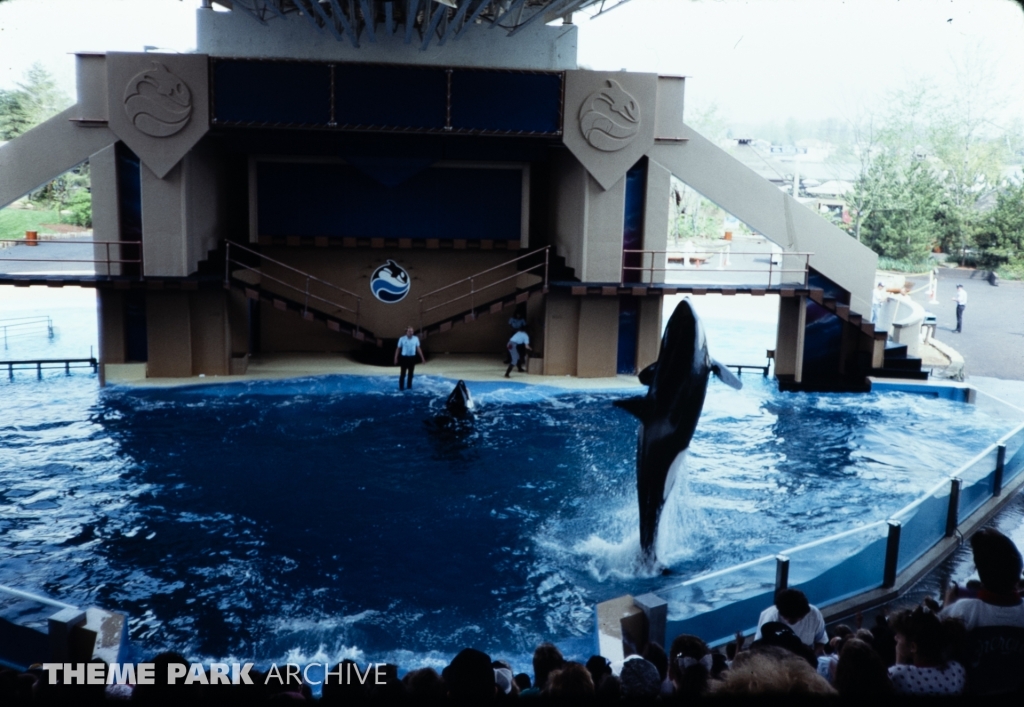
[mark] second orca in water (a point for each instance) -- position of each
(460, 402)
(677, 384)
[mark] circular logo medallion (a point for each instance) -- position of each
(609, 118)
(390, 283)
(157, 102)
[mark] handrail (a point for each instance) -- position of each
(26, 322)
(228, 261)
(472, 282)
(108, 261)
(725, 252)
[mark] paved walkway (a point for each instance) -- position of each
(992, 342)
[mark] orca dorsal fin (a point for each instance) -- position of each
(725, 375)
(646, 376)
(637, 406)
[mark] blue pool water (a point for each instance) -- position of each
(332, 517)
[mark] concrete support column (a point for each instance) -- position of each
(561, 329)
(789, 345)
(169, 334)
(602, 255)
(649, 334)
(106, 221)
(210, 333)
(163, 224)
(596, 354)
(110, 327)
(656, 218)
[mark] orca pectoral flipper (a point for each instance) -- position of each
(646, 376)
(637, 406)
(725, 375)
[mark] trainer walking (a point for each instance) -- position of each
(405, 356)
(961, 304)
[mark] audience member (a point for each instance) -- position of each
(770, 670)
(923, 648)
(860, 672)
(570, 681)
(792, 608)
(690, 665)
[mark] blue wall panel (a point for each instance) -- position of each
(390, 96)
(506, 101)
(339, 200)
(274, 92)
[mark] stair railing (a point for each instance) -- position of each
(229, 261)
(474, 290)
(640, 266)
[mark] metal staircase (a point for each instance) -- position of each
(316, 300)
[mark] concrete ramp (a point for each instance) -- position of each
(718, 176)
(47, 151)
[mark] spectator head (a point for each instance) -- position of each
(572, 680)
(470, 677)
(923, 637)
(690, 664)
(424, 685)
(792, 605)
(771, 670)
(780, 635)
(640, 679)
(522, 681)
(657, 656)
(997, 559)
(861, 672)
(546, 659)
(598, 667)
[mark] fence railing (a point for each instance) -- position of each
(18, 327)
(474, 291)
(716, 605)
(352, 304)
(105, 246)
(648, 267)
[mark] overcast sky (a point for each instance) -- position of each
(755, 59)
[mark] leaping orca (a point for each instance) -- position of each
(677, 383)
(460, 402)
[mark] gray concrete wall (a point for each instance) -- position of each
(106, 217)
(538, 47)
(606, 212)
(569, 208)
(163, 224)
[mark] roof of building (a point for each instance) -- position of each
(357, 21)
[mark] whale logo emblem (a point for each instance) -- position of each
(157, 102)
(609, 118)
(390, 282)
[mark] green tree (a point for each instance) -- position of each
(898, 207)
(35, 99)
(1000, 234)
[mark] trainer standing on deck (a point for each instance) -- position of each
(961, 303)
(405, 356)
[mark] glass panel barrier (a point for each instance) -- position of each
(978, 476)
(1014, 453)
(924, 524)
(816, 568)
(714, 607)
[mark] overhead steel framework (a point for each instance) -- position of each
(422, 21)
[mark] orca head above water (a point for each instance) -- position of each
(677, 384)
(460, 402)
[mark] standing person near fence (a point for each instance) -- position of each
(405, 356)
(961, 304)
